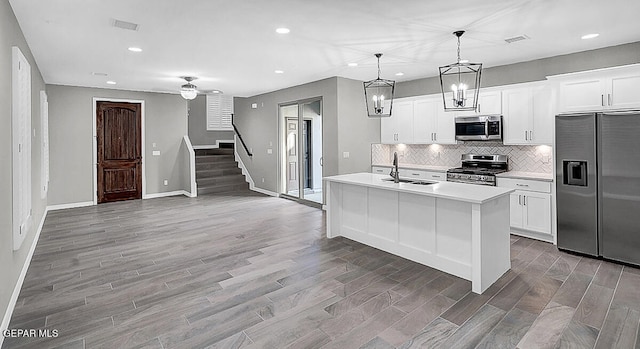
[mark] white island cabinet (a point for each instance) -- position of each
(458, 228)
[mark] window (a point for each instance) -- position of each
(219, 110)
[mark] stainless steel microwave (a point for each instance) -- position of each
(479, 128)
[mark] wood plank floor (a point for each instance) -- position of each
(258, 272)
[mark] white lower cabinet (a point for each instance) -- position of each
(530, 207)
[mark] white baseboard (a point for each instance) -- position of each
(16, 290)
(71, 205)
(168, 193)
(263, 191)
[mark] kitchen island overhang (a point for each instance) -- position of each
(461, 229)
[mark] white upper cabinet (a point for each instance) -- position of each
(418, 120)
(489, 102)
(528, 113)
(603, 89)
(398, 128)
(431, 123)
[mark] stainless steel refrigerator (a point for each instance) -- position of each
(598, 184)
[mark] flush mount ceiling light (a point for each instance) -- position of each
(111, 82)
(283, 30)
(135, 49)
(189, 91)
(353, 64)
(590, 36)
(460, 82)
(378, 95)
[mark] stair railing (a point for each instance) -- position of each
(235, 129)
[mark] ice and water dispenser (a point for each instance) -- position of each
(574, 173)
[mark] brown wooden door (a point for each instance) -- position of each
(118, 129)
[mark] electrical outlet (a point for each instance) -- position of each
(262, 179)
(345, 154)
(166, 182)
(269, 151)
(254, 105)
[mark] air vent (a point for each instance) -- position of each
(125, 25)
(516, 39)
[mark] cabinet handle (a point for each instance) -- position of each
(526, 137)
(415, 174)
(530, 135)
(435, 176)
(519, 199)
(602, 100)
(478, 108)
(609, 98)
(435, 136)
(524, 200)
(522, 185)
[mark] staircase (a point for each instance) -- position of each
(218, 172)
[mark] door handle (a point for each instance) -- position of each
(321, 161)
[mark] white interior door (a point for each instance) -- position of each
(292, 156)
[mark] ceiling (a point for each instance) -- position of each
(232, 46)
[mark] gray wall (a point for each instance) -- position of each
(71, 132)
(534, 70)
(11, 262)
(346, 128)
(198, 133)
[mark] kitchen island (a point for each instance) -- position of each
(461, 229)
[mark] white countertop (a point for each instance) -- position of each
(476, 194)
(538, 176)
(417, 167)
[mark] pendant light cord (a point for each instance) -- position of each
(378, 68)
(458, 50)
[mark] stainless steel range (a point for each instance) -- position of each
(478, 169)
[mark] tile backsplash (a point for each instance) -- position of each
(527, 158)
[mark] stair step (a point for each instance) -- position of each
(223, 188)
(215, 151)
(217, 172)
(214, 158)
(215, 166)
(222, 180)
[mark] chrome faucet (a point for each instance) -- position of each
(394, 171)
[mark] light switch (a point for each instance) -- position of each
(269, 151)
(345, 154)
(271, 144)
(254, 105)
(156, 152)
(153, 144)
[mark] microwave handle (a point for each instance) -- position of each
(486, 127)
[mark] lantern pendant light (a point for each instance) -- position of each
(460, 83)
(378, 94)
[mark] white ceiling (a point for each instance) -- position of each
(231, 45)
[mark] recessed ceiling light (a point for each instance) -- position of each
(399, 73)
(99, 74)
(590, 36)
(135, 49)
(353, 64)
(111, 82)
(283, 30)
(279, 72)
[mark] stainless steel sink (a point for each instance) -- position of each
(410, 181)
